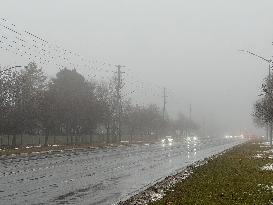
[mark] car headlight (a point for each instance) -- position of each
(170, 139)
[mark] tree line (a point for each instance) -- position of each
(263, 108)
(73, 107)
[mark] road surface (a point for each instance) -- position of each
(99, 176)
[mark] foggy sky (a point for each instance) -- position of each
(188, 46)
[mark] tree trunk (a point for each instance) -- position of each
(107, 133)
(131, 135)
(13, 140)
(21, 136)
(46, 137)
(46, 140)
(270, 134)
(267, 132)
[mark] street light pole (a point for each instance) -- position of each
(269, 127)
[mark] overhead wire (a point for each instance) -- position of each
(33, 47)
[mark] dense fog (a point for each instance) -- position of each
(189, 47)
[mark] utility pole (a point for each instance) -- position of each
(119, 86)
(190, 112)
(164, 103)
(164, 110)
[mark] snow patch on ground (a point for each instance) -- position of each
(258, 156)
(264, 144)
(265, 154)
(266, 187)
(267, 167)
(268, 151)
(262, 156)
(157, 196)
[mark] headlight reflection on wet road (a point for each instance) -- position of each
(192, 144)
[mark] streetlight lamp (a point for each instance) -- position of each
(269, 61)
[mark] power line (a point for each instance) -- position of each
(27, 44)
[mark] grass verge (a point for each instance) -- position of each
(235, 177)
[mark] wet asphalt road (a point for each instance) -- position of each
(100, 176)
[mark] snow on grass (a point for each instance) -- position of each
(267, 167)
(262, 143)
(263, 154)
(258, 156)
(266, 187)
(264, 146)
(156, 196)
(268, 151)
